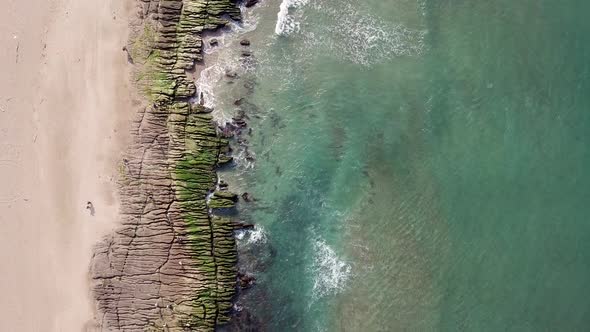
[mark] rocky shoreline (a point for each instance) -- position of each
(171, 264)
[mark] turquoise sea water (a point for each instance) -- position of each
(417, 165)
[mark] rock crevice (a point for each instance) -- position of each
(171, 264)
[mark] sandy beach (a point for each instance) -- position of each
(65, 108)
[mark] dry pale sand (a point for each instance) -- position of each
(64, 111)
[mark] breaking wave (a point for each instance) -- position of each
(287, 21)
(252, 236)
(210, 77)
(330, 272)
(348, 32)
(206, 84)
(365, 39)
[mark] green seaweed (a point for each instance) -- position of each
(211, 238)
(165, 54)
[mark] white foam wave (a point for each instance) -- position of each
(257, 235)
(206, 84)
(287, 22)
(245, 159)
(252, 236)
(330, 272)
(231, 33)
(211, 76)
(349, 32)
(364, 39)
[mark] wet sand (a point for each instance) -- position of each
(65, 107)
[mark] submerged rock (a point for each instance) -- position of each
(250, 157)
(228, 130)
(247, 197)
(245, 42)
(240, 122)
(231, 74)
(245, 280)
(250, 85)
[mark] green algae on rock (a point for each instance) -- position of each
(171, 265)
(223, 200)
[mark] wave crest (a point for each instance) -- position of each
(330, 272)
(287, 22)
(257, 235)
(365, 39)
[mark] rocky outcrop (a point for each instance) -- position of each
(171, 265)
(223, 200)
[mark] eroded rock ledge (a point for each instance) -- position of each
(171, 265)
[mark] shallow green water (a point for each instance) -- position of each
(420, 166)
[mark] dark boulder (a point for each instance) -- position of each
(241, 226)
(246, 280)
(250, 3)
(246, 197)
(231, 74)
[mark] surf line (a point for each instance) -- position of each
(232, 59)
(286, 21)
